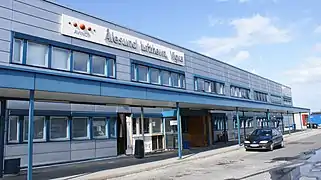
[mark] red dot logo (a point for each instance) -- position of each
(82, 26)
(75, 24)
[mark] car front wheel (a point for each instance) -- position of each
(282, 144)
(271, 147)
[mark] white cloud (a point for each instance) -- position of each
(317, 29)
(239, 57)
(249, 32)
(215, 21)
(309, 71)
(317, 47)
(305, 83)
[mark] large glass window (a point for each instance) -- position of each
(175, 79)
(166, 78)
(13, 128)
(240, 92)
(17, 51)
(58, 128)
(98, 65)
(38, 128)
(79, 127)
(113, 127)
(99, 127)
(111, 68)
(156, 125)
(81, 62)
(260, 96)
(142, 73)
(154, 76)
(182, 77)
(146, 125)
(60, 58)
(208, 86)
(37, 54)
(200, 84)
(134, 126)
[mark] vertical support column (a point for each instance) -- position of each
(268, 118)
(282, 119)
(142, 123)
(287, 114)
(244, 125)
(30, 133)
(225, 133)
(301, 123)
(179, 132)
(2, 133)
(210, 130)
(164, 132)
(238, 126)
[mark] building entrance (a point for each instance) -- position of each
(121, 133)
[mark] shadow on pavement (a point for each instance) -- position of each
(304, 165)
(81, 169)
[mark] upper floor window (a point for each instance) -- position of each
(276, 99)
(259, 96)
(99, 65)
(37, 54)
(17, 51)
(287, 100)
(60, 58)
(153, 75)
(240, 92)
(209, 86)
(48, 56)
(81, 62)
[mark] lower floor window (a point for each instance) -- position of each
(113, 127)
(58, 127)
(99, 127)
(13, 128)
(79, 127)
(38, 128)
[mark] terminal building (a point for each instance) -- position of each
(92, 88)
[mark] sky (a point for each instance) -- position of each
(276, 39)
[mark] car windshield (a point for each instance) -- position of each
(262, 132)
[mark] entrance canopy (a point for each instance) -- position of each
(15, 83)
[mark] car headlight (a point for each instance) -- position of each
(246, 141)
(264, 142)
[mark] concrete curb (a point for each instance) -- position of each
(124, 171)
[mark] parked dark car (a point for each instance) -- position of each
(264, 138)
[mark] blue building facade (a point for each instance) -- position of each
(93, 81)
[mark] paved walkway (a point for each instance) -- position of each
(117, 167)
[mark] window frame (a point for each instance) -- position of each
(67, 129)
(87, 128)
(105, 66)
(135, 66)
(47, 59)
(88, 63)
(44, 130)
(9, 130)
(22, 47)
(69, 58)
(113, 67)
(105, 119)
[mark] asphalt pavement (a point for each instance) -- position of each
(280, 164)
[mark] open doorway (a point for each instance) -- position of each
(121, 133)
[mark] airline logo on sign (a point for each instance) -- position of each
(77, 28)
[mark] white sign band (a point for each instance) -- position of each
(80, 29)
